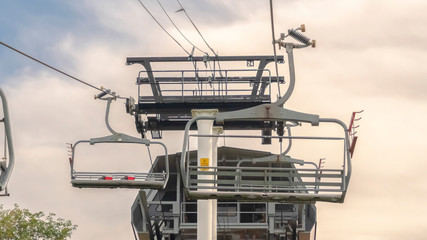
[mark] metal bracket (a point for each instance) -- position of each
(267, 112)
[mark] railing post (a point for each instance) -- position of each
(214, 203)
(226, 84)
(269, 84)
(239, 178)
(182, 86)
(265, 178)
(316, 181)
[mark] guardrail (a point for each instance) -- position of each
(229, 214)
(216, 85)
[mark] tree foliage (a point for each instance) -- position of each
(19, 223)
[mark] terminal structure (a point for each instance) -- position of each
(223, 183)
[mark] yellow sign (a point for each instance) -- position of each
(204, 162)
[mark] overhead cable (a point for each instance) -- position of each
(62, 72)
(176, 27)
(274, 47)
(194, 25)
(197, 29)
(160, 25)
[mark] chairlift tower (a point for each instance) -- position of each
(237, 190)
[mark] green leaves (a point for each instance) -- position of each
(19, 223)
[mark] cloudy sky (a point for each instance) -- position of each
(370, 56)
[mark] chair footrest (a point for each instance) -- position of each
(265, 196)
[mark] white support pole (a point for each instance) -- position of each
(204, 159)
(216, 131)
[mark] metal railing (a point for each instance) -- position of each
(228, 214)
(220, 85)
(262, 179)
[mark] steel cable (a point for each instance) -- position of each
(59, 71)
(176, 27)
(201, 35)
(160, 25)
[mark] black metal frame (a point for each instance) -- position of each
(171, 113)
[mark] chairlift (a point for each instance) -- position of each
(137, 180)
(175, 92)
(282, 179)
(7, 162)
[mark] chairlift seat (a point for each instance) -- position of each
(118, 180)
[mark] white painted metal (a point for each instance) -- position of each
(214, 202)
(204, 159)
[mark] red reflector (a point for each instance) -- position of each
(108, 178)
(129, 178)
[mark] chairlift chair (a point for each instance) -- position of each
(118, 179)
(8, 161)
(260, 183)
